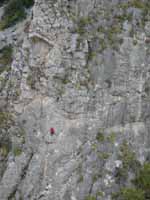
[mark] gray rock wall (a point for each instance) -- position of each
(83, 68)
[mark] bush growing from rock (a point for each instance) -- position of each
(141, 184)
(14, 12)
(28, 3)
(142, 180)
(90, 198)
(5, 58)
(129, 194)
(17, 151)
(5, 117)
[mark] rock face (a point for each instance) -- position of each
(81, 67)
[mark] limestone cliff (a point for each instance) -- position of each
(81, 67)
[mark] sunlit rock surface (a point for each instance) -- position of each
(81, 67)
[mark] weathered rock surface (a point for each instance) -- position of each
(95, 96)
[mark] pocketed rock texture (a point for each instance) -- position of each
(81, 67)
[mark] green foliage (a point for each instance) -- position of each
(112, 137)
(135, 42)
(144, 7)
(3, 1)
(5, 117)
(142, 180)
(95, 178)
(78, 86)
(90, 198)
(125, 16)
(102, 44)
(110, 36)
(80, 179)
(91, 55)
(129, 162)
(94, 147)
(65, 80)
(17, 151)
(129, 194)
(141, 190)
(137, 4)
(28, 3)
(126, 155)
(4, 150)
(17, 93)
(5, 58)
(4, 68)
(82, 23)
(14, 12)
(2, 81)
(103, 155)
(100, 194)
(100, 137)
(31, 81)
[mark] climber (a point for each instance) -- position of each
(52, 131)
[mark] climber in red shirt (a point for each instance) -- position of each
(52, 131)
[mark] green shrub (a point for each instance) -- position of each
(111, 138)
(129, 194)
(5, 117)
(5, 58)
(142, 180)
(126, 154)
(4, 150)
(125, 16)
(138, 4)
(80, 179)
(129, 162)
(103, 155)
(3, 1)
(94, 147)
(17, 151)
(100, 194)
(135, 42)
(100, 137)
(65, 81)
(4, 68)
(141, 183)
(90, 198)
(102, 44)
(95, 178)
(31, 81)
(28, 3)
(14, 12)
(82, 23)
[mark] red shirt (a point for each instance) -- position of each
(52, 131)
